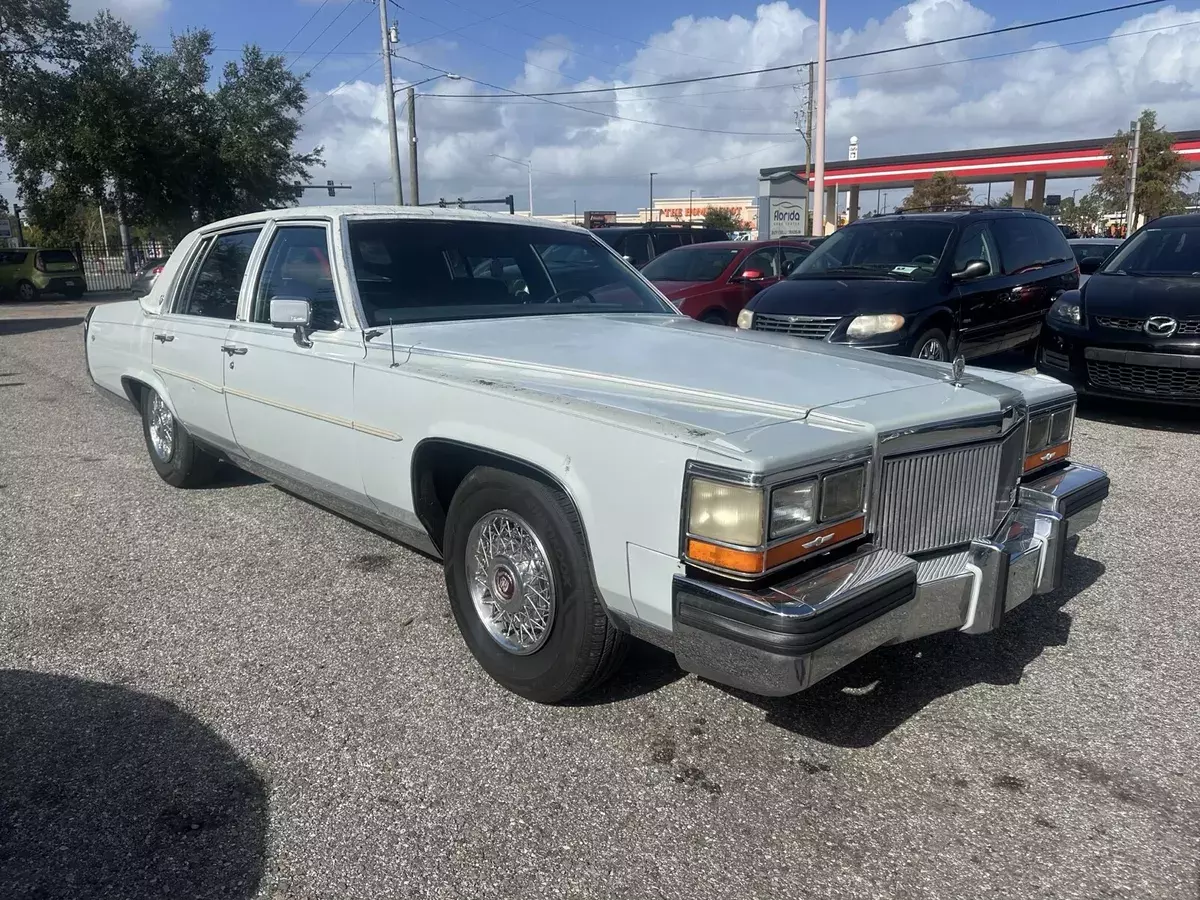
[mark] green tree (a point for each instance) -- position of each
(33, 32)
(1004, 201)
(939, 192)
(1161, 175)
(141, 132)
(725, 219)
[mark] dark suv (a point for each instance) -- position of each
(641, 243)
(931, 285)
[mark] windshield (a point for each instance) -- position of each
(690, 265)
(892, 249)
(1158, 251)
(419, 271)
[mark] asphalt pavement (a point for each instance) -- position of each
(233, 693)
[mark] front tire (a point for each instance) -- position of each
(932, 344)
(521, 589)
(179, 461)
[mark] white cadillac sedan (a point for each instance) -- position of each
(512, 397)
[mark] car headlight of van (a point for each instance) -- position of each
(745, 319)
(743, 529)
(870, 326)
(1049, 438)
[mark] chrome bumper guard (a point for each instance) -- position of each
(782, 639)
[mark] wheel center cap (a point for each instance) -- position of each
(506, 586)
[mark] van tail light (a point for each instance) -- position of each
(39, 263)
(156, 271)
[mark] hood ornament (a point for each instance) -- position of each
(957, 368)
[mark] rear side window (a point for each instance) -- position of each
(57, 257)
(669, 240)
(1027, 243)
(215, 284)
(12, 257)
(637, 248)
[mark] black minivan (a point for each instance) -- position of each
(641, 243)
(931, 285)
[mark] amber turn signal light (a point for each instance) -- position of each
(1045, 457)
(755, 562)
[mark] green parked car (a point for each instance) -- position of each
(26, 273)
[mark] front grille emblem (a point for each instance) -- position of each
(1160, 326)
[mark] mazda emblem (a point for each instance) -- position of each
(1160, 326)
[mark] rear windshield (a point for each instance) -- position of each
(1169, 252)
(688, 264)
(57, 256)
(1092, 251)
(415, 271)
(891, 249)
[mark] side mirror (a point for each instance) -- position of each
(1090, 265)
(976, 268)
(788, 266)
(751, 275)
(293, 312)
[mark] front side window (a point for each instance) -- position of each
(297, 267)
(667, 240)
(1166, 252)
(692, 264)
(413, 271)
(216, 283)
(763, 261)
(976, 243)
(891, 249)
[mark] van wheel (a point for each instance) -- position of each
(932, 344)
(714, 318)
(26, 292)
(521, 589)
(175, 456)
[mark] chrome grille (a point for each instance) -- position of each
(816, 327)
(1189, 326)
(938, 498)
(1120, 323)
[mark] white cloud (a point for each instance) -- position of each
(135, 12)
(1055, 93)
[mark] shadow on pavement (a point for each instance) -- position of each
(27, 326)
(106, 792)
(645, 670)
(1146, 416)
(863, 703)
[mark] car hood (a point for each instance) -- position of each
(1136, 296)
(679, 377)
(682, 290)
(842, 297)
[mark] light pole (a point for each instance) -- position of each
(393, 138)
(690, 193)
(885, 206)
(650, 208)
(1074, 192)
(575, 211)
(819, 139)
(411, 100)
(522, 162)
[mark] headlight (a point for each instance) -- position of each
(1049, 439)
(1066, 310)
(793, 508)
(842, 494)
(728, 513)
(745, 319)
(869, 326)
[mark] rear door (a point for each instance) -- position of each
(1040, 264)
(637, 248)
(188, 339)
(981, 300)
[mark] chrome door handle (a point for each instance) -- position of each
(234, 351)
(164, 337)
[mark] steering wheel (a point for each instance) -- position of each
(925, 259)
(573, 293)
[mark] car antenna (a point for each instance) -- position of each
(392, 340)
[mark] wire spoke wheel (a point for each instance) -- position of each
(162, 429)
(511, 581)
(932, 349)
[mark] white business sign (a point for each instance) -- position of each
(788, 216)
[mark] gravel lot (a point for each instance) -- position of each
(232, 693)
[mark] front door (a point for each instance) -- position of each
(759, 270)
(291, 399)
(983, 302)
(187, 343)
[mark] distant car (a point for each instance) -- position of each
(27, 272)
(932, 285)
(641, 243)
(1091, 253)
(713, 282)
(1133, 330)
(1069, 232)
(144, 278)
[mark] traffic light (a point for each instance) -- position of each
(329, 187)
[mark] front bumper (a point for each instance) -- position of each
(782, 639)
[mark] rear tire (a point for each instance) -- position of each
(521, 588)
(932, 344)
(712, 317)
(26, 292)
(179, 461)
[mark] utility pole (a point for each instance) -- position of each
(819, 149)
(412, 146)
(650, 208)
(389, 94)
(575, 211)
(1131, 210)
(808, 139)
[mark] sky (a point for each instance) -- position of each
(1081, 79)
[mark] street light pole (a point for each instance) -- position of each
(1131, 211)
(390, 93)
(522, 162)
(690, 193)
(412, 146)
(650, 208)
(819, 139)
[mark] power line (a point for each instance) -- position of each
(307, 22)
(357, 25)
(864, 55)
(300, 55)
(342, 86)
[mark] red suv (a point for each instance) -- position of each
(712, 282)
